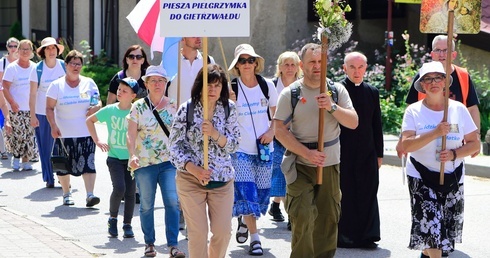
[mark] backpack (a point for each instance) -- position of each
(275, 80)
(296, 94)
(190, 113)
(170, 81)
(263, 86)
(39, 69)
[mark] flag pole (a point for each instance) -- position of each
(449, 69)
(321, 114)
(205, 100)
(179, 60)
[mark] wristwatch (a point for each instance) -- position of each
(334, 108)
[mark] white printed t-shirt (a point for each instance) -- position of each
(258, 105)
(72, 105)
(20, 88)
(422, 120)
(48, 75)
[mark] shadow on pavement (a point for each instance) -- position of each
(71, 212)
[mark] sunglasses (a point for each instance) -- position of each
(250, 60)
(138, 57)
(12, 46)
(433, 79)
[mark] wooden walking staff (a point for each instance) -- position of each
(205, 100)
(321, 114)
(450, 26)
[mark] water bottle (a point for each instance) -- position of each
(94, 100)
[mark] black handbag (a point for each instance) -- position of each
(60, 161)
(431, 178)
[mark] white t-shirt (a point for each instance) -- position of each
(4, 61)
(422, 120)
(72, 105)
(48, 75)
(258, 106)
(188, 73)
(20, 87)
(279, 86)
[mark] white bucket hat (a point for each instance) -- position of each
(155, 70)
(430, 67)
(246, 49)
(48, 42)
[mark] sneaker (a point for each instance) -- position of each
(16, 164)
(26, 166)
(4, 155)
(92, 200)
(112, 227)
(275, 212)
(68, 200)
(128, 231)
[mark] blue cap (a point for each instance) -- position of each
(132, 83)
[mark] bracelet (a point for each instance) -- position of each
(454, 155)
(217, 139)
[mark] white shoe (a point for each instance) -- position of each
(16, 164)
(26, 166)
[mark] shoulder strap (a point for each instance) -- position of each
(4, 63)
(464, 81)
(331, 87)
(265, 90)
(159, 119)
(121, 75)
(39, 70)
(234, 86)
(62, 62)
(275, 80)
(295, 95)
(167, 87)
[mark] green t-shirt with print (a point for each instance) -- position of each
(117, 127)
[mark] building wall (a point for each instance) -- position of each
(81, 23)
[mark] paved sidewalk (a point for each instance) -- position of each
(25, 236)
(22, 235)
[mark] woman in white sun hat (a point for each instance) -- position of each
(256, 100)
(47, 70)
(437, 211)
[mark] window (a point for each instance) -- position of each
(10, 13)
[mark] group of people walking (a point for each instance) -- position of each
(261, 139)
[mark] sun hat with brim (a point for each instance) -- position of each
(48, 42)
(245, 49)
(430, 67)
(132, 83)
(155, 70)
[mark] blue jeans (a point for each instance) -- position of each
(147, 179)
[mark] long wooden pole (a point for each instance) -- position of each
(449, 70)
(179, 60)
(205, 99)
(321, 114)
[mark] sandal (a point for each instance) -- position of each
(255, 249)
(241, 237)
(150, 250)
(176, 253)
(5, 156)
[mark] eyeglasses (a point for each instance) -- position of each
(250, 60)
(155, 81)
(72, 64)
(432, 79)
(12, 46)
(440, 51)
(138, 57)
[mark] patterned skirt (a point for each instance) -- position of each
(252, 185)
(81, 152)
(278, 184)
(437, 219)
(20, 142)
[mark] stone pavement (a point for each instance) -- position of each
(25, 235)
